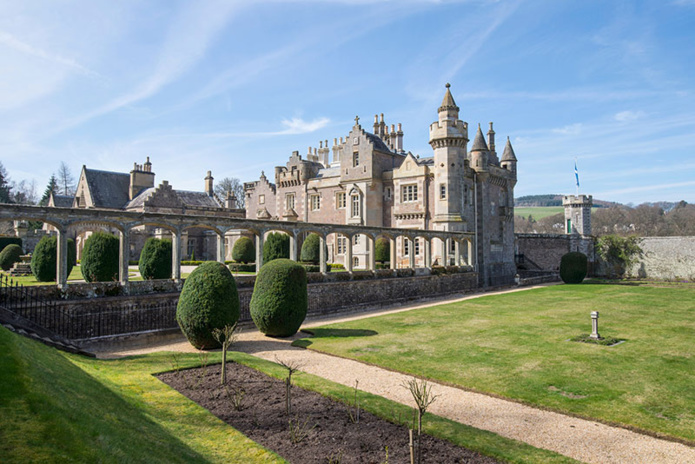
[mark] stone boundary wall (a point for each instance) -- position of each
(325, 297)
(544, 251)
(667, 258)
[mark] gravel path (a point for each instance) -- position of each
(580, 439)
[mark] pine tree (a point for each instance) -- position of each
(5, 186)
(52, 187)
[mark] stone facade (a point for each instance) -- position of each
(366, 178)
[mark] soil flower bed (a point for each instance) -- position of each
(318, 430)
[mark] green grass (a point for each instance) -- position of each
(515, 346)
(538, 212)
(74, 277)
(65, 408)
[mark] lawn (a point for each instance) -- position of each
(515, 346)
(58, 407)
(538, 212)
(75, 277)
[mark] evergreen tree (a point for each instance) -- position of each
(52, 187)
(5, 185)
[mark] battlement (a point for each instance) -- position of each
(577, 200)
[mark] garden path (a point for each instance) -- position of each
(581, 439)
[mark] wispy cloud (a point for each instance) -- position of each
(571, 129)
(647, 188)
(13, 42)
(627, 116)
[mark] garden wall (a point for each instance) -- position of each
(667, 258)
(542, 252)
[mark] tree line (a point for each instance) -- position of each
(645, 220)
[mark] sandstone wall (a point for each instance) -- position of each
(667, 258)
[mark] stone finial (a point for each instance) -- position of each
(447, 85)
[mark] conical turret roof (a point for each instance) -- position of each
(479, 142)
(508, 154)
(448, 101)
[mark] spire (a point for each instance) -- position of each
(448, 102)
(479, 142)
(508, 154)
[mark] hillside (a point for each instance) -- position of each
(553, 199)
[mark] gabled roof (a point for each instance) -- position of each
(377, 142)
(140, 199)
(108, 189)
(508, 154)
(62, 201)
(198, 199)
(479, 143)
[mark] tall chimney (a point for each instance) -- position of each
(208, 184)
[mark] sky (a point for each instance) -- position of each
(235, 86)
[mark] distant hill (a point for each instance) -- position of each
(552, 199)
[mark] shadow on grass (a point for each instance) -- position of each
(332, 333)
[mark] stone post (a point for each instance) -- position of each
(123, 256)
(176, 255)
(392, 253)
(293, 246)
(221, 249)
(259, 249)
(322, 254)
(428, 252)
(348, 254)
(411, 253)
(470, 252)
(372, 259)
(594, 325)
(457, 252)
(62, 259)
(445, 251)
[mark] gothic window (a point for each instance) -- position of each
(261, 199)
(355, 159)
(355, 262)
(340, 200)
(417, 247)
(409, 193)
(452, 246)
(289, 201)
(406, 247)
(355, 205)
(442, 191)
(315, 202)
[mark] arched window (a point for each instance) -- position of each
(355, 205)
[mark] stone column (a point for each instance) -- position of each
(457, 252)
(371, 261)
(176, 255)
(123, 256)
(411, 253)
(322, 254)
(62, 259)
(392, 253)
(348, 254)
(259, 249)
(428, 253)
(470, 252)
(293, 245)
(445, 251)
(221, 249)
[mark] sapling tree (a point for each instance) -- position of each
(226, 337)
(292, 367)
(423, 396)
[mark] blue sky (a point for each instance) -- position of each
(234, 87)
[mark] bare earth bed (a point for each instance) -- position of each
(331, 436)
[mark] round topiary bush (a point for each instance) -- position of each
(311, 249)
(208, 301)
(276, 246)
(573, 267)
(100, 258)
(279, 300)
(10, 255)
(244, 251)
(44, 258)
(382, 250)
(155, 259)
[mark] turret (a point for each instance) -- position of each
(479, 152)
(509, 158)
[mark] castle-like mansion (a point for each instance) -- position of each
(368, 179)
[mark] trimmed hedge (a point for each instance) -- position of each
(4, 241)
(279, 301)
(573, 267)
(311, 249)
(209, 300)
(382, 250)
(155, 259)
(310, 267)
(244, 250)
(45, 257)
(240, 267)
(100, 258)
(276, 246)
(10, 255)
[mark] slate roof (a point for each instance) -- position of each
(331, 171)
(198, 199)
(426, 161)
(479, 142)
(63, 201)
(508, 154)
(378, 143)
(108, 189)
(139, 201)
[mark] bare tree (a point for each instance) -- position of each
(231, 184)
(66, 181)
(24, 193)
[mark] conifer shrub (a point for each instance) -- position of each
(382, 250)
(45, 257)
(573, 267)
(100, 258)
(276, 246)
(155, 259)
(209, 300)
(10, 255)
(241, 267)
(311, 249)
(4, 241)
(279, 300)
(244, 250)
